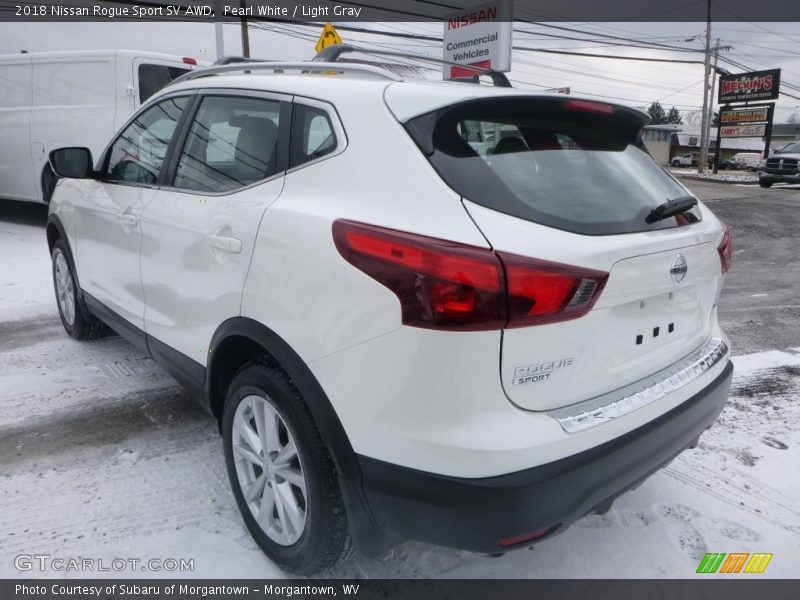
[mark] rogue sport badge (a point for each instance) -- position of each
(679, 268)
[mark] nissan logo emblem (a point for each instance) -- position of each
(679, 268)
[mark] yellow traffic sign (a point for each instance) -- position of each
(328, 37)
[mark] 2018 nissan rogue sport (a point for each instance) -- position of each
(456, 313)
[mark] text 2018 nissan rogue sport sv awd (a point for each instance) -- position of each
(456, 313)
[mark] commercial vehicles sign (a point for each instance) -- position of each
(746, 87)
(735, 131)
(478, 35)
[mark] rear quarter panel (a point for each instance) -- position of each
(298, 284)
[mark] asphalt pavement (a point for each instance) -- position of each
(760, 304)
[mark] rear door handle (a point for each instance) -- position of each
(226, 244)
(128, 219)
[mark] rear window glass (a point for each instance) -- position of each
(573, 170)
(153, 78)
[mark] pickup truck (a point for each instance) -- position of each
(684, 160)
(781, 167)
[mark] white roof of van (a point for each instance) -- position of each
(90, 54)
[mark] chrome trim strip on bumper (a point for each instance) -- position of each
(599, 410)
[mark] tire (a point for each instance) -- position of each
(765, 183)
(49, 181)
(303, 483)
(75, 317)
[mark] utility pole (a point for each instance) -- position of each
(714, 74)
(701, 160)
(710, 117)
(245, 34)
(218, 29)
(718, 150)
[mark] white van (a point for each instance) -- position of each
(747, 160)
(55, 99)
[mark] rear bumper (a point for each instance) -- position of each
(474, 514)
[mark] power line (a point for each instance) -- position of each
(292, 31)
(432, 38)
(647, 46)
(547, 51)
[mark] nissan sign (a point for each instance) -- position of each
(480, 36)
(746, 87)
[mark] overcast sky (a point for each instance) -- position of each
(757, 45)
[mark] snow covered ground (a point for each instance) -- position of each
(722, 175)
(103, 455)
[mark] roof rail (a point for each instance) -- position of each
(332, 53)
(229, 60)
(231, 64)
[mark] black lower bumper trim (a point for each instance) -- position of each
(474, 514)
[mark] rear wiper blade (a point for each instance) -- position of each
(670, 208)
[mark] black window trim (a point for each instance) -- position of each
(105, 156)
(336, 123)
(168, 176)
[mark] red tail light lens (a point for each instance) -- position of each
(188, 60)
(521, 539)
(545, 292)
(446, 285)
(725, 250)
(440, 284)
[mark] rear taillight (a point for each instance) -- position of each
(521, 539)
(446, 285)
(589, 106)
(188, 60)
(544, 292)
(725, 251)
(439, 284)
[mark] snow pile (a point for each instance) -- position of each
(728, 176)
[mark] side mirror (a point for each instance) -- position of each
(74, 163)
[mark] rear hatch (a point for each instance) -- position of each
(568, 182)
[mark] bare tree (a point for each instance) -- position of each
(692, 118)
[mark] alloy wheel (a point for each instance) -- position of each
(65, 289)
(269, 470)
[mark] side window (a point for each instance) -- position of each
(153, 78)
(312, 135)
(138, 153)
(232, 143)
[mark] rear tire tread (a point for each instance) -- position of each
(335, 541)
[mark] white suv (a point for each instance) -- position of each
(450, 312)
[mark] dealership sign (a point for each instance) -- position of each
(745, 87)
(478, 35)
(750, 115)
(737, 131)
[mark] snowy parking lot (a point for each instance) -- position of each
(103, 455)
